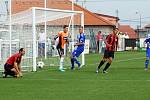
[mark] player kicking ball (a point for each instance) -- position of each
(79, 50)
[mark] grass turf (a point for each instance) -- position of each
(126, 80)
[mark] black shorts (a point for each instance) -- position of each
(8, 68)
(60, 51)
(108, 54)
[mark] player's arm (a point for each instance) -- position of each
(16, 67)
(19, 68)
(77, 44)
(81, 42)
(145, 42)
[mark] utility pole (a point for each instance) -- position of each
(140, 19)
(117, 18)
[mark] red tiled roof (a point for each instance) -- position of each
(90, 18)
(111, 19)
(128, 30)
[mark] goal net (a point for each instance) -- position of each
(26, 29)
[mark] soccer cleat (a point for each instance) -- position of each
(4, 74)
(72, 68)
(62, 70)
(105, 72)
(97, 71)
(146, 69)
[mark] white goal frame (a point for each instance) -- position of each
(34, 30)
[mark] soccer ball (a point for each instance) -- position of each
(40, 64)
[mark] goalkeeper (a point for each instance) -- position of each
(62, 41)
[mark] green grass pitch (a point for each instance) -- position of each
(126, 80)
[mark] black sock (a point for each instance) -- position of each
(106, 67)
(101, 63)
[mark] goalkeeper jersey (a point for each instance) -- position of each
(63, 38)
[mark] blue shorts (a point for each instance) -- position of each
(41, 45)
(147, 53)
(77, 52)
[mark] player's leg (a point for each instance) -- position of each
(40, 49)
(147, 59)
(106, 55)
(97, 46)
(61, 68)
(9, 70)
(5, 71)
(146, 63)
(72, 61)
(76, 53)
(110, 59)
(108, 64)
(43, 49)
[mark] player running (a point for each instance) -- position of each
(111, 42)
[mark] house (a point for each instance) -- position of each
(127, 30)
(112, 19)
(129, 37)
(144, 31)
(143, 34)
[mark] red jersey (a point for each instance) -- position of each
(113, 41)
(14, 58)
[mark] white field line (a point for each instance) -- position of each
(120, 60)
(83, 79)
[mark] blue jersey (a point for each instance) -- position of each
(81, 40)
(80, 48)
(147, 41)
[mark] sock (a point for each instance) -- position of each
(146, 63)
(61, 63)
(106, 67)
(101, 63)
(72, 63)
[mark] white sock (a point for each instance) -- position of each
(61, 63)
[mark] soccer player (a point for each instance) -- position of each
(147, 42)
(79, 50)
(111, 42)
(63, 40)
(12, 66)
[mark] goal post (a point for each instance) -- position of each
(27, 26)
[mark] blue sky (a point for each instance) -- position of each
(126, 10)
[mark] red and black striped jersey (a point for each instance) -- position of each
(112, 40)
